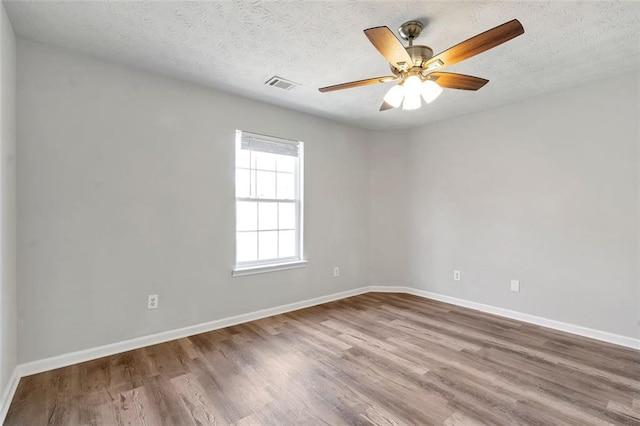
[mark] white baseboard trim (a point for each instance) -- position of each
(387, 289)
(604, 336)
(9, 391)
(64, 360)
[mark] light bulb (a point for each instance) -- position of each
(413, 86)
(430, 91)
(394, 96)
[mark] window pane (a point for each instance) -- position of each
(287, 163)
(268, 245)
(287, 216)
(246, 246)
(287, 246)
(243, 158)
(246, 216)
(243, 183)
(286, 186)
(265, 161)
(266, 184)
(268, 216)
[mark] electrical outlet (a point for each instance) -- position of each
(152, 301)
(336, 272)
(456, 275)
(515, 285)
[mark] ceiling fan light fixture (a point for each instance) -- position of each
(430, 91)
(395, 95)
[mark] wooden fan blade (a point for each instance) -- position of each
(386, 106)
(457, 81)
(478, 44)
(389, 46)
(359, 83)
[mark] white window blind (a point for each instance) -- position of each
(269, 202)
(268, 144)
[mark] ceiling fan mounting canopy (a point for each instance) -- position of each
(410, 30)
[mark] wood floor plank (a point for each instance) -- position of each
(196, 399)
(132, 409)
(373, 359)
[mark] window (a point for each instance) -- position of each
(269, 206)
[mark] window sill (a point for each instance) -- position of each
(262, 269)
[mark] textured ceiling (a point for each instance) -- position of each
(237, 46)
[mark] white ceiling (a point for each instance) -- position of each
(236, 46)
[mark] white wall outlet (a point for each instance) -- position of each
(336, 272)
(515, 285)
(152, 301)
(456, 275)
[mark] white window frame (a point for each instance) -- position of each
(270, 265)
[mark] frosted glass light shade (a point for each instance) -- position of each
(430, 91)
(411, 101)
(395, 95)
(412, 89)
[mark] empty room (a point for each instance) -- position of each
(319, 212)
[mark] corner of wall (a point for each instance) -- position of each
(8, 287)
(388, 204)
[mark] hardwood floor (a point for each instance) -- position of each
(373, 359)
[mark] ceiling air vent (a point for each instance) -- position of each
(281, 83)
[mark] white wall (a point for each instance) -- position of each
(8, 321)
(544, 191)
(126, 188)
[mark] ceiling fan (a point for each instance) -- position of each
(419, 71)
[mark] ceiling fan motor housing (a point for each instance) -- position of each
(419, 55)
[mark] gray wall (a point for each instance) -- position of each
(388, 202)
(544, 191)
(126, 188)
(125, 184)
(8, 321)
